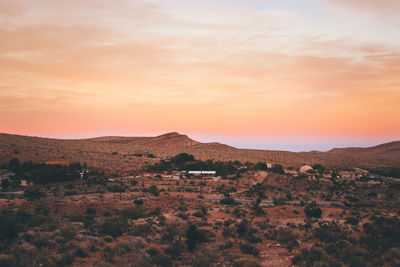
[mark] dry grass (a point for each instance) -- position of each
(117, 153)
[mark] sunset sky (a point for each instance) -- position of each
(284, 74)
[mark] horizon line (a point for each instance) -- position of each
(249, 147)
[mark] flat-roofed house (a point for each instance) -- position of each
(203, 173)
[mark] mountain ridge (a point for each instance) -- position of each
(118, 152)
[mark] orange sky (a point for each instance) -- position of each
(240, 70)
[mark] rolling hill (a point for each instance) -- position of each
(123, 153)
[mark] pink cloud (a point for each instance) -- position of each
(386, 6)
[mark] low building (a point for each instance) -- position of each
(203, 173)
(179, 173)
(305, 169)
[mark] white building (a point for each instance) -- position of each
(305, 168)
(203, 173)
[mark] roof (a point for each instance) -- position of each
(202, 172)
(305, 168)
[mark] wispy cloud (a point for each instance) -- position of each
(136, 66)
(376, 5)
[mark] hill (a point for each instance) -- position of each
(115, 153)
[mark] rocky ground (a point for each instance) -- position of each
(150, 220)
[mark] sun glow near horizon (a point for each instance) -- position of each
(242, 70)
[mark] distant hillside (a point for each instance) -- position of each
(114, 152)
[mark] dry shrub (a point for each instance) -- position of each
(141, 229)
(203, 257)
(114, 226)
(245, 262)
(7, 260)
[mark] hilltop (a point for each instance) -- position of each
(115, 152)
(54, 215)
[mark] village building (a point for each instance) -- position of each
(178, 173)
(305, 169)
(203, 173)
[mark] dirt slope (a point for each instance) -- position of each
(114, 152)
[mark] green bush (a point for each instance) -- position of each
(229, 201)
(44, 174)
(158, 257)
(37, 220)
(246, 248)
(81, 252)
(132, 213)
(381, 234)
(12, 223)
(154, 190)
(14, 165)
(319, 168)
(7, 260)
(198, 214)
(193, 237)
(91, 211)
(352, 220)
(260, 166)
(70, 193)
(114, 226)
(182, 157)
(330, 232)
(5, 184)
(312, 210)
(278, 201)
(245, 262)
(308, 257)
(141, 230)
(243, 228)
(176, 248)
(138, 202)
(34, 194)
(278, 169)
(286, 237)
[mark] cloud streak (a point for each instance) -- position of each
(134, 67)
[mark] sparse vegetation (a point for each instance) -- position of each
(312, 210)
(164, 220)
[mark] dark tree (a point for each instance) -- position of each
(182, 157)
(27, 166)
(14, 165)
(154, 190)
(34, 194)
(114, 226)
(193, 237)
(319, 168)
(75, 166)
(277, 168)
(260, 166)
(312, 210)
(5, 184)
